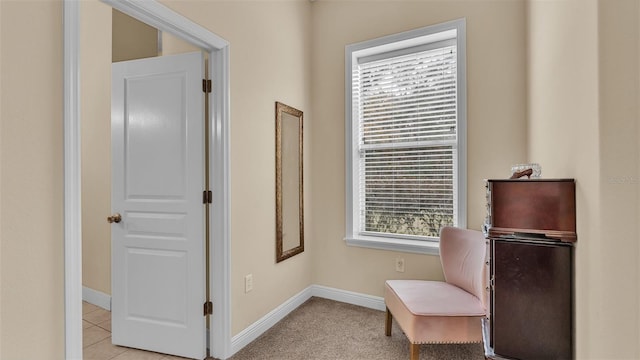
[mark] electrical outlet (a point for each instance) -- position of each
(248, 283)
(400, 264)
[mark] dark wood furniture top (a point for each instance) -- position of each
(533, 206)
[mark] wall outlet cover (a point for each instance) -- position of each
(248, 283)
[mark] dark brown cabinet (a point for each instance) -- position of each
(531, 269)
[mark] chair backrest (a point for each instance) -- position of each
(463, 253)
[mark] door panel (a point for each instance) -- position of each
(155, 142)
(158, 274)
(169, 307)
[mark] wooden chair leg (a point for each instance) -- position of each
(387, 323)
(414, 351)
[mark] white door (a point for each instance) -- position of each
(157, 144)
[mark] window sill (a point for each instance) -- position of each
(402, 245)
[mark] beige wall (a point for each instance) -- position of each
(496, 120)
(133, 39)
(95, 60)
(174, 45)
(583, 114)
(618, 262)
(31, 287)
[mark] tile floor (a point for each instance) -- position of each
(96, 330)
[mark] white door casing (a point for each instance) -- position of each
(158, 252)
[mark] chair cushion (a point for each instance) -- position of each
(435, 298)
(434, 311)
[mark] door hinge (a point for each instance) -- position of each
(207, 197)
(206, 86)
(208, 308)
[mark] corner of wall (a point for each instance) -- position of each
(583, 122)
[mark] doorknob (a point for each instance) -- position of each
(115, 218)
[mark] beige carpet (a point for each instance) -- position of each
(330, 330)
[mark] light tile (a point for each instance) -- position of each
(97, 316)
(133, 354)
(86, 324)
(87, 308)
(171, 357)
(93, 335)
(102, 350)
(105, 325)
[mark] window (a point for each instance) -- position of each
(405, 138)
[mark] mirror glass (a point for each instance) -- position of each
(289, 200)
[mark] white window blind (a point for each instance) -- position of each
(406, 103)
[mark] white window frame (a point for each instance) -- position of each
(353, 52)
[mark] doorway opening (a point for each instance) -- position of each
(165, 20)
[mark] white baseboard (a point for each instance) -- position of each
(96, 298)
(256, 329)
(349, 297)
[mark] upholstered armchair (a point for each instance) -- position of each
(450, 311)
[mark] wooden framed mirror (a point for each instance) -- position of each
(289, 194)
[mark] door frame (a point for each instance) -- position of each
(164, 19)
